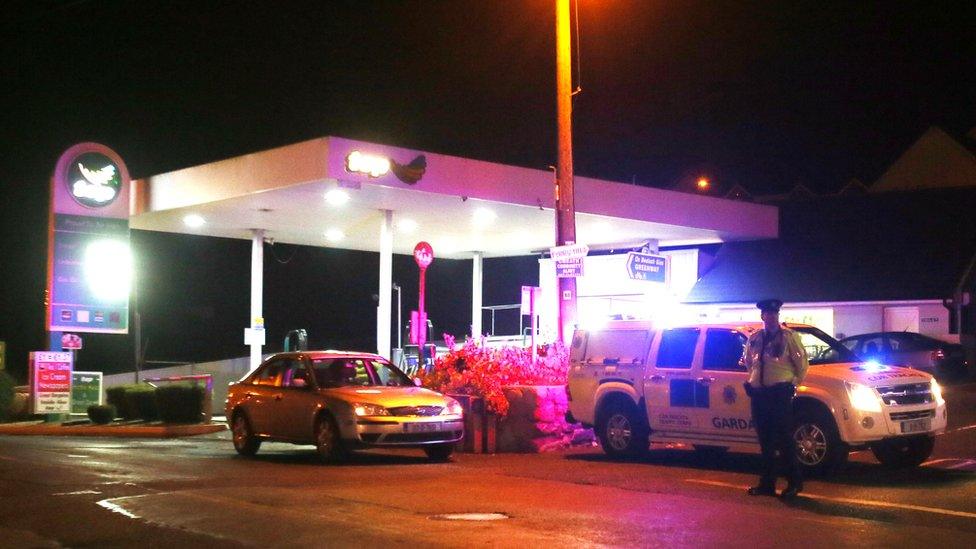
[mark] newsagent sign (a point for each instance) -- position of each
(50, 382)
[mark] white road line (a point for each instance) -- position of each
(78, 493)
(115, 508)
(964, 428)
(851, 501)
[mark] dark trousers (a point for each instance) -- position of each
(772, 412)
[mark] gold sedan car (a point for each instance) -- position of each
(340, 401)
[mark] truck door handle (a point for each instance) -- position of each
(657, 377)
(706, 380)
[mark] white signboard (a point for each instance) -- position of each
(569, 251)
(50, 376)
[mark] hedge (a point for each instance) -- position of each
(101, 413)
(180, 403)
(6, 393)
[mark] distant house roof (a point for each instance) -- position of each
(878, 247)
(935, 160)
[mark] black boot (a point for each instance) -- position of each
(792, 490)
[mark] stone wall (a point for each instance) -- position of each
(536, 421)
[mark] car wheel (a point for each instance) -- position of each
(818, 445)
(328, 440)
(245, 442)
(622, 432)
(904, 452)
(439, 452)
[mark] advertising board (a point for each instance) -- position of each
(50, 382)
(86, 390)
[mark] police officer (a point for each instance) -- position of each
(777, 363)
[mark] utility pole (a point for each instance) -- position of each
(565, 207)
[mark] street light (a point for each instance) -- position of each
(565, 208)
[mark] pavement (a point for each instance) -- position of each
(126, 429)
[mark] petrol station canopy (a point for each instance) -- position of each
(463, 207)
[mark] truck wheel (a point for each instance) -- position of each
(245, 442)
(818, 445)
(623, 434)
(904, 452)
(328, 440)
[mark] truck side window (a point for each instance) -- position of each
(677, 348)
(723, 350)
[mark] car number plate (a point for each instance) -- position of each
(916, 425)
(426, 427)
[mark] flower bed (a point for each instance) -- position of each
(524, 399)
(474, 369)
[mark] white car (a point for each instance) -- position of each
(636, 383)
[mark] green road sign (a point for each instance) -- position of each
(86, 389)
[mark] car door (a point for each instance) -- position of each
(262, 395)
(295, 410)
(723, 373)
(669, 388)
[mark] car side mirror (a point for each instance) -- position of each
(417, 382)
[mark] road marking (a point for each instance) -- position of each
(115, 508)
(852, 501)
(964, 428)
(78, 493)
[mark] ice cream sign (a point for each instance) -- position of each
(50, 376)
(93, 180)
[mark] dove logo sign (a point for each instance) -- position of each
(93, 180)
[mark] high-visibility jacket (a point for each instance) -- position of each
(767, 366)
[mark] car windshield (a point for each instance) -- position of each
(823, 349)
(357, 372)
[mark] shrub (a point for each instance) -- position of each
(180, 403)
(115, 396)
(101, 413)
(7, 384)
(136, 401)
(142, 400)
(474, 369)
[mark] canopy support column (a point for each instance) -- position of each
(384, 304)
(257, 297)
(477, 270)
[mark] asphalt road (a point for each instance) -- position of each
(196, 492)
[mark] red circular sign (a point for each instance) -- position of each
(423, 254)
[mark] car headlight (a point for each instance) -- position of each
(937, 392)
(453, 408)
(366, 409)
(864, 398)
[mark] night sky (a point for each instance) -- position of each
(761, 94)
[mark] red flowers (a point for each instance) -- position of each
(475, 369)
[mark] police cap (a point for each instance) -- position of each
(769, 305)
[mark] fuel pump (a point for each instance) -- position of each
(296, 340)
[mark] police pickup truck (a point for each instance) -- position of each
(635, 384)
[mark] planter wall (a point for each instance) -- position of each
(536, 421)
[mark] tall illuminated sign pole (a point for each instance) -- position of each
(89, 263)
(565, 208)
(423, 254)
